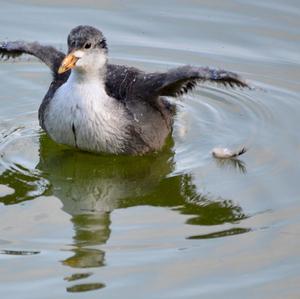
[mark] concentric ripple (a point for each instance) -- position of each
(18, 158)
(233, 118)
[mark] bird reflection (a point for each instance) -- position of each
(90, 230)
(92, 186)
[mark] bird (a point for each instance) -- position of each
(100, 107)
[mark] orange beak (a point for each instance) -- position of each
(68, 63)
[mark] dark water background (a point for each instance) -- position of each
(174, 225)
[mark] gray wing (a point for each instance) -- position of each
(180, 80)
(47, 54)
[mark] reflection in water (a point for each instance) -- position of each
(18, 252)
(224, 233)
(28, 184)
(77, 276)
(90, 229)
(232, 163)
(92, 186)
(85, 287)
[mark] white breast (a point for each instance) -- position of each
(82, 115)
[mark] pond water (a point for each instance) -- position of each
(178, 224)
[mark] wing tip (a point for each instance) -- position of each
(6, 52)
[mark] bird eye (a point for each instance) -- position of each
(87, 45)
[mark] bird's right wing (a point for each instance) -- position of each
(181, 80)
(47, 54)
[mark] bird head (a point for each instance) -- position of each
(87, 50)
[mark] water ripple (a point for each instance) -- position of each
(17, 166)
(233, 118)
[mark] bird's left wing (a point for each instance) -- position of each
(47, 54)
(180, 80)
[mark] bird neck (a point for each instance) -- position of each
(88, 75)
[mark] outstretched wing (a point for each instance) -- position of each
(47, 54)
(180, 80)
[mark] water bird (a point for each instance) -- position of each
(100, 107)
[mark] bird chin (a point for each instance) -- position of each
(92, 61)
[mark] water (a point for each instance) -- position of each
(178, 224)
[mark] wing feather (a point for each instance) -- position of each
(47, 54)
